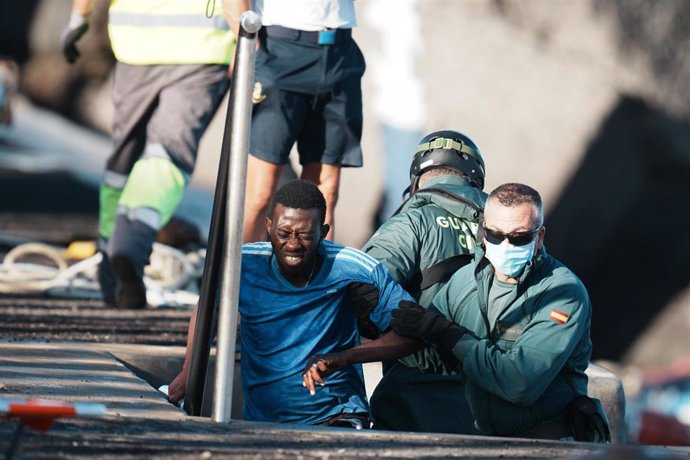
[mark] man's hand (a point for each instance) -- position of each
(413, 320)
(321, 366)
(178, 387)
(364, 298)
(416, 321)
(77, 27)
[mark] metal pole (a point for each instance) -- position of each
(201, 346)
(241, 102)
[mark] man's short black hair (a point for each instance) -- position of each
(513, 194)
(300, 194)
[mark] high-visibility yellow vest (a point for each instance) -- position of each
(169, 32)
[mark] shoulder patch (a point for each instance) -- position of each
(559, 316)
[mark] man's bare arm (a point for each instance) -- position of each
(388, 347)
(82, 7)
(178, 387)
(232, 10)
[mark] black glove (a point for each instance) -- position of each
(413, 320)
(69, 39)
(364, 298)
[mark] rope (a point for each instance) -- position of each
(170, 277)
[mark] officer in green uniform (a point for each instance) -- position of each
(515, 324)
(422, 245)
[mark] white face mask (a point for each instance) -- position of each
(508, 259)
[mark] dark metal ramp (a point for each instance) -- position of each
(71, 350)
(26, 318)
(201, 439)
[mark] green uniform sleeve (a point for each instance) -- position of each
(521, 374)
(396, 243)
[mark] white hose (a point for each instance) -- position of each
(170, 277)
(18, 277)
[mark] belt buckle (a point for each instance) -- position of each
(326, 37)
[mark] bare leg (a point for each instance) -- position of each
(327, 178)
(262, 180)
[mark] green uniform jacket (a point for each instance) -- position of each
(439, 221)
(526, 369)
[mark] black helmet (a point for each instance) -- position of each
(448, 149)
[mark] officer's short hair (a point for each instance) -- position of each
(300, 194)
(438, 172)
(514, 194)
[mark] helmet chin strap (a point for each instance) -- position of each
(411, 189)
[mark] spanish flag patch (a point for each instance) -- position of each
(559, 316)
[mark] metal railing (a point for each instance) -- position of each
(225, 238)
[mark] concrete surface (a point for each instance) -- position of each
(78, 373)
(134, 339)
(605, 386)
(141, 423)
(36, 319)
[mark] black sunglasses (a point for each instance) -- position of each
(516, 239)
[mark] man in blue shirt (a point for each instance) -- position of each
(295, 302)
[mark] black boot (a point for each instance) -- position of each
(106, 279)
(130, 291)
(129, 249)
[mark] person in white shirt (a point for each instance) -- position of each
(307, 91)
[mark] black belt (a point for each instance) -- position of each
(316, 37)
(557, 428)
(355, 420)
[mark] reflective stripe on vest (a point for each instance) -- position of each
(168, 32)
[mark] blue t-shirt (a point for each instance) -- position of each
(282, 326)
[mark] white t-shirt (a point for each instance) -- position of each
(307, 14)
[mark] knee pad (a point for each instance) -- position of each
(156, 184)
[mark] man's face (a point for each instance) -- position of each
(515, 221)
(295, 236)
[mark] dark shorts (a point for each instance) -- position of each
(309, 94)
(170, 105)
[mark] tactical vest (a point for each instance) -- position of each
(144, 32)
(441, 271)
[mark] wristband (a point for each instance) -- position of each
(77, 19)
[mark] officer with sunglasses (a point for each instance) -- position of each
(515, 325)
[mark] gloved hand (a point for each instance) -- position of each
(78, 25)
(364, 298)
(413, 320)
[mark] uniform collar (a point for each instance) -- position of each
(452, 193)
(449, 179)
